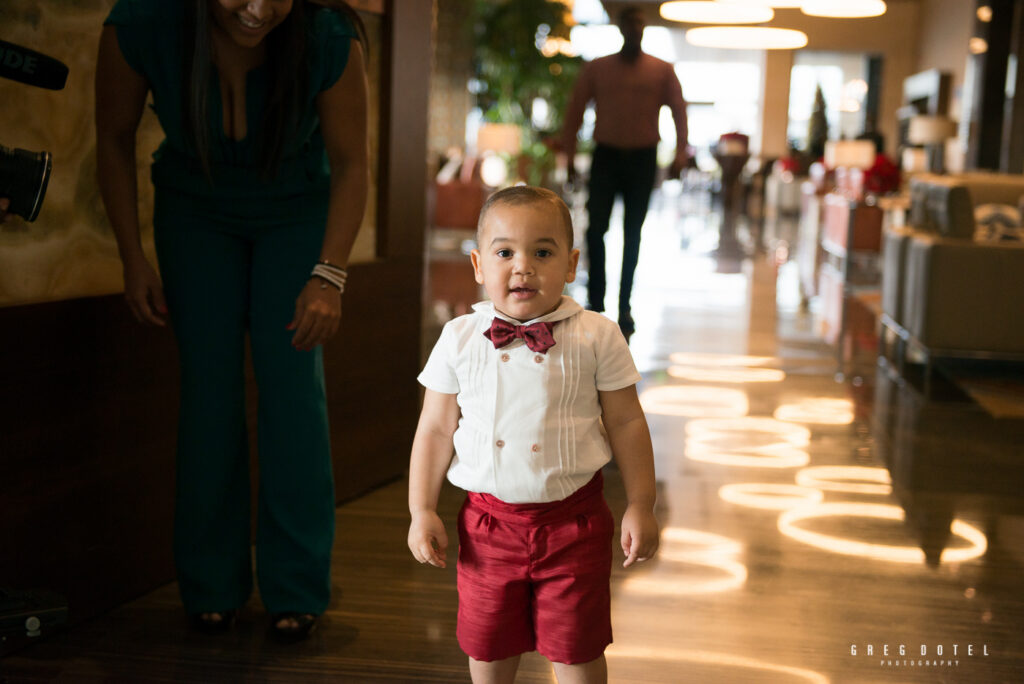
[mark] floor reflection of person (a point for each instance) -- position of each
(260, 188)
(628, 90)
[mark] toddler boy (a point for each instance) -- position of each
(520, 388)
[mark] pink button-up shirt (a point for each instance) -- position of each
(628, 96)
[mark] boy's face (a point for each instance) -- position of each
(523, 259)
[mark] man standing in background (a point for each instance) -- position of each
(628, 90)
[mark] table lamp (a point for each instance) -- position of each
(850, 158)
(932, 132)
(495, 144)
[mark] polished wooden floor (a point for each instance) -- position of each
(808, 525)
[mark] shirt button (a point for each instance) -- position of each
(500, 443)
(505, 357)
(535, 448)
(538, 359)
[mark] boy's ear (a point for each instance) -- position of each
(478, 274)
(574, 261)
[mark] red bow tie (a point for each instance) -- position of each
(537, 336)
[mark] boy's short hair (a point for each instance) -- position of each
(519, 195)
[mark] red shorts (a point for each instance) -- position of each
(535, 577)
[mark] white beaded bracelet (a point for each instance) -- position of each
(330, 274)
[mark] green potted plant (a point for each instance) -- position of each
(521, 55)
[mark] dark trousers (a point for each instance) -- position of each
(223, 279)
(617, 171)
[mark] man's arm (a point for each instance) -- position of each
(582, 94)
(431, 454)
(677, 105)
(630, 438)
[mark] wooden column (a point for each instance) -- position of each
(988, 97)
(1012, 158)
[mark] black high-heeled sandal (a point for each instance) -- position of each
(304, 625)
(212, 621)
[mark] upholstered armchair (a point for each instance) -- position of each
(944, 294)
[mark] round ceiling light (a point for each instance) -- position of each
(843, 9)
(777, 4)
(746, 38)
(696, 12)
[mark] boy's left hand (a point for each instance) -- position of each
(639, 534)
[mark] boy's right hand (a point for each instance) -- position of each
(428, 540)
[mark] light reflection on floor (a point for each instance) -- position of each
(695, 401)
(785, 482)
(975, 538)
(817, 411)
(681, 552)
(737, 376)
(770, 496)
(679, 665)
(848, 479)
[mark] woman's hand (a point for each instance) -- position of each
(144, 293)
(4, 205)
(317, 315)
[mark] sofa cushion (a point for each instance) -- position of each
(959, 295)
(918, 215)
(951, 210)
(894, 248)
(987, 187)
(997, 223)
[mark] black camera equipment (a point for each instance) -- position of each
(23, 179)
(27, 615)
(24, 174)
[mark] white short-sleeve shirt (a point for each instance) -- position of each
(530, 426)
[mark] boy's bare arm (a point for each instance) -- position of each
(631, 446)
(431, 454)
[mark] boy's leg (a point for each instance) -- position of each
(572, 597)
(296, 494)
(495, 671)
(494, 622)
(594, 672)
(205, 277)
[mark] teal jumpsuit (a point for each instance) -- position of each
(234, 256)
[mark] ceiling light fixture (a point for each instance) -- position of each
(776, 4)
(746, 38)
(843, 9)
(697, 12)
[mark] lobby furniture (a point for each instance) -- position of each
(457, 194)
(808, 241)
(732, 154)
(944, 295)
(850, 243)
(781, 211)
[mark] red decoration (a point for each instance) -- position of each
(883, 177)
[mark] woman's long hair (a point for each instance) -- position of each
(287, 76)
